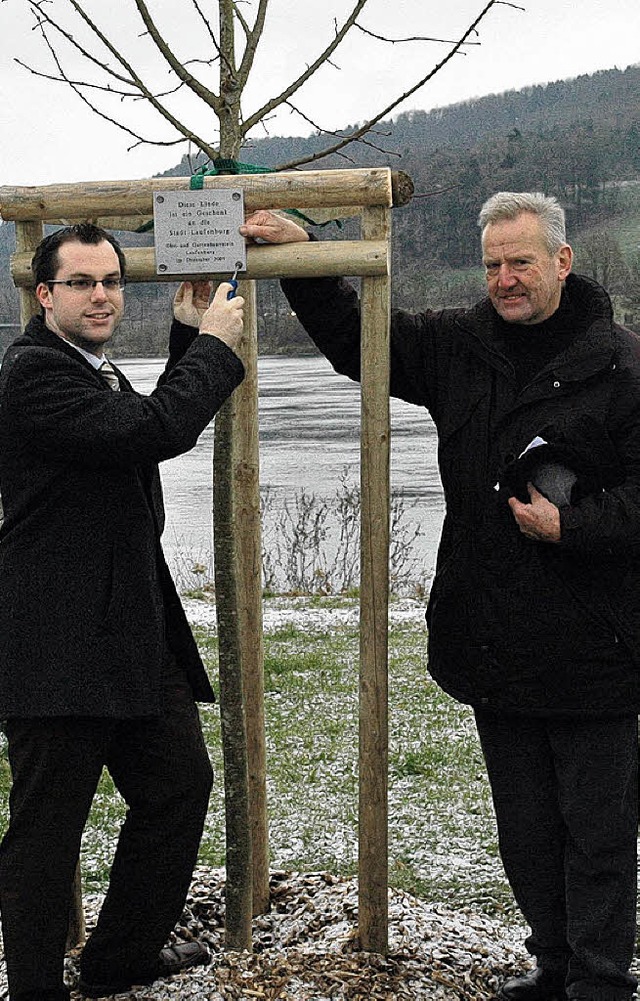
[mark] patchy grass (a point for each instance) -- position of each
(442, 843)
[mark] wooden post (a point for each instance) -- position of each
(246, 470)
(374, 599)
(28, 236)
(239, 863)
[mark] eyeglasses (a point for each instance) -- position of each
(88, 284)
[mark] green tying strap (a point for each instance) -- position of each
(220, 166)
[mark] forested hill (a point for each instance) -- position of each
(601, 102)
(578, 139)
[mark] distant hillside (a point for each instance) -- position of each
(578, 139)
(598, 101)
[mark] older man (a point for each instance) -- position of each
(98, 666)
(534, 613)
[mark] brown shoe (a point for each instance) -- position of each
(172, 959)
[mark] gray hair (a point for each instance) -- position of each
(510, 204)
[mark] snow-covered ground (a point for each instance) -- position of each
(309, 614)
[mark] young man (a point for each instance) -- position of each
(98, 666)
(534, 613)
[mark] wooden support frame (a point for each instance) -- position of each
(371, 192)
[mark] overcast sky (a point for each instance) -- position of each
(48, 135)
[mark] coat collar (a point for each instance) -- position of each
(37, 333)
(587, 354)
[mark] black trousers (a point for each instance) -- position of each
(161, 768)
(566, 803)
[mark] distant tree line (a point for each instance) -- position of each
(578, 139)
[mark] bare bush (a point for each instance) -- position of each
(311, 545)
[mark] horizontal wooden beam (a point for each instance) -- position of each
(288, 260)
(93, 200)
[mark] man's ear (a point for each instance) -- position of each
(43, 295)
(565, 260)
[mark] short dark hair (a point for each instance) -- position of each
(45, 262)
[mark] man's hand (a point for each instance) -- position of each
(273, 228)
(539, 520)
(225, 317)
(191, 301)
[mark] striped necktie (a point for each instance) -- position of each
(108, 374)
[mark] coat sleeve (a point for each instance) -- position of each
(58, 407)
(181, 337)
(329, 310)
(606, 523)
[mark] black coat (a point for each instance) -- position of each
(515, 624)
(86, 598)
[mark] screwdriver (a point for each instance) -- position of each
(233, 282)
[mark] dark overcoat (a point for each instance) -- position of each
(518, 625)
(86, 599)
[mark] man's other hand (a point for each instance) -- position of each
(539, 520)
(272, 228)
(225, 317)
(191, 302)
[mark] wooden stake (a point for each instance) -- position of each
(28, 236)
(374, 600)
(239, 863)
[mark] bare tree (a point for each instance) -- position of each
(90, 51)
(93, 61)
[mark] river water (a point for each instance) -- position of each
(309, 420)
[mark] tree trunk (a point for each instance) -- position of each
(239, 589)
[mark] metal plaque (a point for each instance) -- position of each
(196, 232)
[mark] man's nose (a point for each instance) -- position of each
(98, 293)
(506, 277)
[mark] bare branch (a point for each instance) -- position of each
(311, 69)
(412, 38)
(367, 126)
(43, 18)
(88, 85)
(133, 79)
(75, 87)
(241, 18)
(331, 132)
(178, 68)
(253, 38)
(207, 26)
(62, 78)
